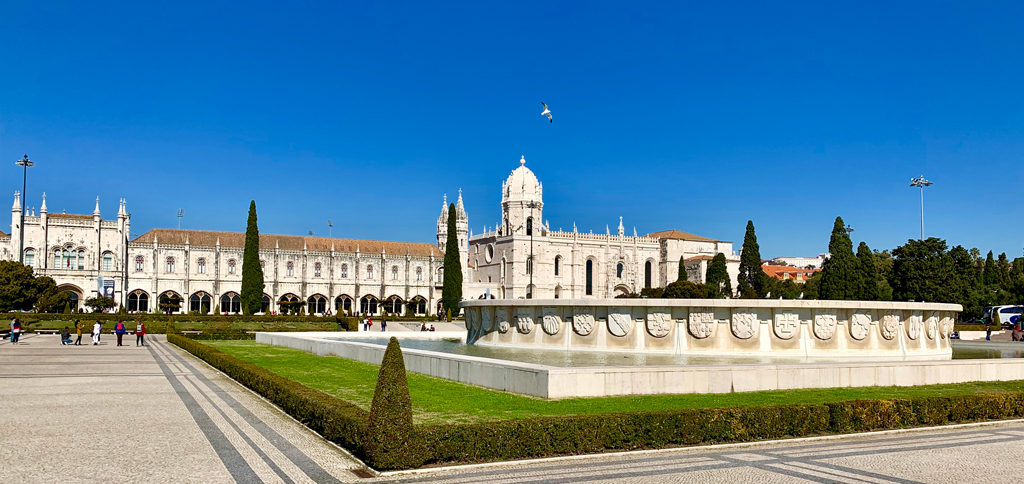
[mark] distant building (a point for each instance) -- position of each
(803, 262)
(783, 273)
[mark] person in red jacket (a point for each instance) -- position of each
(140, 334)
(119, 330)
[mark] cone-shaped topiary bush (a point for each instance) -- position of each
(389, 441)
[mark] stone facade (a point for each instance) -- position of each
(575, 264)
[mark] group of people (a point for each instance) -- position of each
(65, 334)
(368, 323)
(423, 327)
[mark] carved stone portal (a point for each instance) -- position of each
(619, 324)
(786, 325)
(551, 322)
(701, 322)
(659, 324)
(744, 325)
(825, 324)
(582, 321)
(860, 324)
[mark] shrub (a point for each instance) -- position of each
(389, 441)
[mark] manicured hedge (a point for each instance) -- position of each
(344, 423)
(158, 323)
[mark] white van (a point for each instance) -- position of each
(1007, 316)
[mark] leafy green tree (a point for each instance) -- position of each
(169, 304)
(18, 287)
(812, 286)
(839, 275)
(100, 303)
(389, 437)
(868, 278)
(685, 290)
(451, 290)
(923, 271)
(990, 275)
(1003, 269)
(717, 277)
(652, 292)
(752, 280)
(788, 289)
(682, 270)
(51, 300)
(252, 272)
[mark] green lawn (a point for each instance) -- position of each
(437, 400)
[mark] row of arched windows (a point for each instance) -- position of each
(170, 266)
(202, 302)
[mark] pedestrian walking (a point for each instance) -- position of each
(78, 330)
(140, 334)
(988, 331)
(65, 336)
(383, 324)
(366, 324)
(119, 330)
(96, 329)
(15, 330)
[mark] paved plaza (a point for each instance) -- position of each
(156, 414)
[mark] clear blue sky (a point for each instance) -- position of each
(670, 115)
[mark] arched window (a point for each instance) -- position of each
(368, 305)
(394, 273)
(344, 271)
(230, 303)
(170, 265)
(316, 304)
(529, 225)
(316, 270)
(200, 302)
(138, 301)
(529, 265)
(30, 257)
(369, 271)
(108, 261)
(140, 263)
(558, 263)
(590, 277)
(647, 274)
(81, 260)
(265, 304)
(289, 269)
(618, 270)
(419, 273)
(201, 266)
(231, 266)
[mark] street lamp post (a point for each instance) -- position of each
(921, 182)
(24, 163)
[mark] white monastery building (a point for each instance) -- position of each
(87, 255)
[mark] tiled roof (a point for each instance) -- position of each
(2, 234)
(70, 216)
(678, 235)
(779, 272)
(205, 238)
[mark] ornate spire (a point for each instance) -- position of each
(121, 209)
(17, 202)
(522, 160)
(621, 229)
(96, 211)
(42, 209)
(459, 209)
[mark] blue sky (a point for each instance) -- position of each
(671, 115)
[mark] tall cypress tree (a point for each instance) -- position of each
(990, 276)
(682, 270)
(753, 281)
(839, 277)
(869, 281)
(451, 291)
(717, 277)
(252, 272)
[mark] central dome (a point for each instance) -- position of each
(521, 184)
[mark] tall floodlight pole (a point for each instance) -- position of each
(24, 163)
(921, 182)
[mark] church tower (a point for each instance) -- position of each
(461, 228)
(522, 202)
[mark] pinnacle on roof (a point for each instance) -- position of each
(460, 210)
(17, 202)
(96, 211)
(42, 209)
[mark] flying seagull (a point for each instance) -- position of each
(546, 112)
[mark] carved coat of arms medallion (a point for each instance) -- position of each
(786, 325)
(501, 320)
(945, 327)
(890, 326)
(582, 321)
(659, 324)
(931, 326)
(914, 325)
(825, 324)
(550, 321)
(619, 323)
(524, 322)
(701, 323)
(744, 324)
(860, 324)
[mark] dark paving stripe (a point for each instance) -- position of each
(229, 455)
(299, 458)
(91, 375)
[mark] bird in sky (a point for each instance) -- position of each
(546, 112)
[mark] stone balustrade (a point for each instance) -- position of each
(733, 327)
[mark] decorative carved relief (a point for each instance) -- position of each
(890, 326)
(860, 324)
(582, 321)
(487, 319)
(619, 323)
(914, 325)
(701, 322)
(551, 321)
(786, 325)
(744, 324)
(825, 322)
(501, 316)
(931, 326)
(524, 322)
(471, 319)
(945, 327)
(659, 324)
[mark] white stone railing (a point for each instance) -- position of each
(735, 327)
